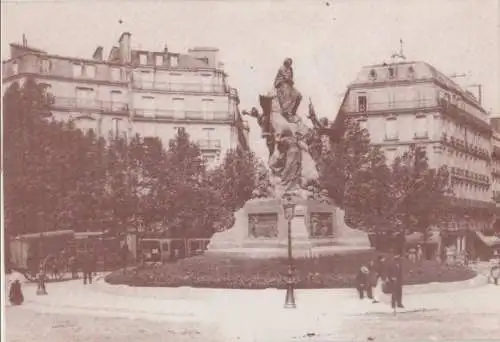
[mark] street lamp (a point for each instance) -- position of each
(289, 211)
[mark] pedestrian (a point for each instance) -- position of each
(420, 253)
(73, 266)
(378, 275)
(362, 281)
(87, 268)
(16, 293)
(396, 282)
(124, 255)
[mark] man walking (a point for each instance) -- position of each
(396, 283)
(88, 268)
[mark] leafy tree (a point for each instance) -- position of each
(421, 194)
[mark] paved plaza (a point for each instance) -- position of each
(101, 312)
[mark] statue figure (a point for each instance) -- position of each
(326, 132)
(293, 168)
(288, 97)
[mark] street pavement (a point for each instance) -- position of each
(245, 315)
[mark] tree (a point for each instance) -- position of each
(421, 193)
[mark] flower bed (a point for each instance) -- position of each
(324, 272)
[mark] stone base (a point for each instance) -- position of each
(261, 231)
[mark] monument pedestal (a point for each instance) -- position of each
(261, 231)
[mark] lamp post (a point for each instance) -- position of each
(289, 211)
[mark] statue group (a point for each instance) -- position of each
(292, 145)
(261, 228)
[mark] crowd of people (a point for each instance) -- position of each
(381, 277)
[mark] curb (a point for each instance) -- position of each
(197, 293)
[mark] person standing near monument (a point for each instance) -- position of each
(396, 282)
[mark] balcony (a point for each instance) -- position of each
(182, 87)
(464, 117)
(387, 106)
(76, 104)
(463, 146)
(218, 116)
(470, 177)
(209, 144)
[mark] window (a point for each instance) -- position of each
(207, 108)
(115, 99)
(392, 72)
(147, 78)
(90, 71)
(115, 74)
(15, 67)
(373, 75)
(421, 127)
(85, 98)
(362, 103)
(77, 70)
(46, 66)
(411, 72)
(148, 105)
(159, 60)
(391, 132)
(174, 61)
(143, 59)
(206, 82)
(178, 108)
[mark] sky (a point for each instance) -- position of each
(329, 41)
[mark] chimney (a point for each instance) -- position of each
(98, 54)
(125, 52)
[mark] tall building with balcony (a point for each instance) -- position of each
(402, 103)
(495, 169)
(151, 93)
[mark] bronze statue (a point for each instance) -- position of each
(288, 139)
(288, 96)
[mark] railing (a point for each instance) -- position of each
(464, 146)
(473, 177)
(184, 114)
(209, 144)
(388, 106)
(182, 87)
(73, 103)
(88, 104)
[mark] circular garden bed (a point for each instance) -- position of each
(325, 272)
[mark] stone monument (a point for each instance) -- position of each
(260, 228)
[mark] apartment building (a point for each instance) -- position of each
(402, 103)
(151, 93)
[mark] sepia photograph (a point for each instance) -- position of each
(250, 171)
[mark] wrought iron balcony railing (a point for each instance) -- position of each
(89, 105)
(182, 87)
(209, 144)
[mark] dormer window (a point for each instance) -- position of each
(77, 70)
(143, 59)
(46, 66)
(373, 75)
(174, 61)
(159, 60)
(90, 71)
(392, 72)
(15, 67)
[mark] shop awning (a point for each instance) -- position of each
(490, 241)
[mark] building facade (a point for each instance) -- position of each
(150, 93)
(403, 103)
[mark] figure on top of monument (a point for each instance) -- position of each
(289, 97)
